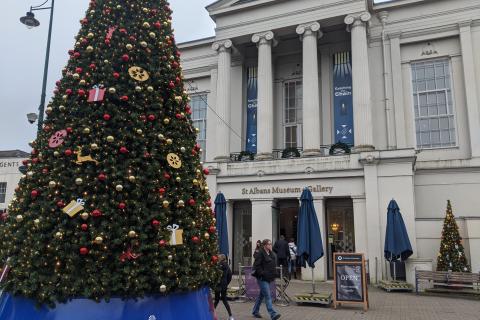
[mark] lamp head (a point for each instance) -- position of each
(29, 20)
(32, 117)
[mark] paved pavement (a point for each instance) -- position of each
(383, 305)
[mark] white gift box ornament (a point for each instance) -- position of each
(96, 94)
(176, 238)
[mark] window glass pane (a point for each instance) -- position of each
(198, 104)
(435, 138)
(3, 191)
(434, 124)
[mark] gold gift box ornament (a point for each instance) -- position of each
(74, 207)
(176, 238)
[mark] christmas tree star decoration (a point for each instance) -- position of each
(451, 256)
(114, 203)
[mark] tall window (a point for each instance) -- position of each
(433, 104)
(292, 119)
(198, 103)
(3, 191)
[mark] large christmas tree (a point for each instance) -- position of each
(114, 202)
(451, 256)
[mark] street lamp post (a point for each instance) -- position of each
(30, 21)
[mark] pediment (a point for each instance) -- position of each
(225, 6)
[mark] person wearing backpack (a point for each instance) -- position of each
(221, 289)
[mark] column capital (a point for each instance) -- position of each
(309, 28)
(222, 45)
(357, 19)
(264, 38)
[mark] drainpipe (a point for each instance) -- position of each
(391, 143)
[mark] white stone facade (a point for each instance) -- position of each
(10, 162)
(296, 40)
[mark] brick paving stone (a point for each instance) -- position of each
(383, 306)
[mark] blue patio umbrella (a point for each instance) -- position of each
(309, 239)
(397, 243)
(221, 216)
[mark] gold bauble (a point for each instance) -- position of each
(146, 24)
(161, 136)
(84, 215)
(206, 188)
(198, 171)
(144, 44)
(49, 110)
(52, 184)
(78, 181)
(163, 288)
(58, 235)
(178, 179)
(86, 130)
(169, 257)
(152, 34)
(30, 174)
(56, 153)
(76, 76)
(119, 6)
(150, 89)
(146, 10)
(61, 108)
(131, 178)
(206, 235)
(106, 61)
(169, 141)
(119, 187)
(89, 49)
(82, 82)
(36, 222)
(181, 204)
(166, 121)
(90, 35)
(112, 90)
(195, 182)
(132, 234)
(98, 240)
(129, 46)
(139, 131)
(65, 97)
(19, 218)
(165, 203)
(197, 130)
(138, 88)
(110, 139)
(182, 149)
(94, 146)
(178, 99)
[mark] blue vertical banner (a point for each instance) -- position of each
(252, 102)
(342, 98)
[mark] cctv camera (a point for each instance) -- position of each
(32, 117)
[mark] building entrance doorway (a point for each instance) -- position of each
(340, 229)
(287, 220)
(242, 234)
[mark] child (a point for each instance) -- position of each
(221, 290)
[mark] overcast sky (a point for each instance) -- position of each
(22, 54)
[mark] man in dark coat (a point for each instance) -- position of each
(265, 270)
(282, 251)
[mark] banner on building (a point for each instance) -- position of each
(251, 141)
(342, 98)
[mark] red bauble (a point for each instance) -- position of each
(69, 129)
(124, 98)
(102, 177)
(84, 226)
(96, 213)
(212, 229)
(155, 223)
(34, 151)
(191, 202)
(34, 160)
(25, 162)
(157, 25)
(123, 30)
(44, 170)
(93, 66)
(46, 128)
(121, 205)
(171, 85)
(162, 243)
(78, 70)
(143, 117)
(84, 21)
(116, 75)
(151, 117)
(166, 176)
(178, 80)
(60, 204)
(106, 117)
(206, 171)
(34, 193)
(68, 152)
(214, 259)
(81, 92)
(83, 251)
(178, 116)
(68, 91)
(161, 190)
(123, 150)
(146, 155)
(174, 64)
(209, 203)
(76, 54)
(132, 38)
(57, 83)
(195, 239)
(125, 57)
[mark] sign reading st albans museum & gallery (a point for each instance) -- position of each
(350, 285)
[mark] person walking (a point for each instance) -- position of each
(221, 289)
(265, 272)
(292, 264)
(283, 252)
(258, 246)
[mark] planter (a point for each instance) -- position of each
(181, 306)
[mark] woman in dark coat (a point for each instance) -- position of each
(221, 289)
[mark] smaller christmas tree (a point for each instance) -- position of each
(451, 256)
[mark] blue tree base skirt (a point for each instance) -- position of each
(184, 306)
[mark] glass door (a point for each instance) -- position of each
(242, 234)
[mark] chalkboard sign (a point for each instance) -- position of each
(350, 279)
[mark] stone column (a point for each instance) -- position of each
(262, 223)
(265, 40)
(398, 101)
(362, 101)
(470, 87)
(360, 221)
(223, 49)
(309, 33)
